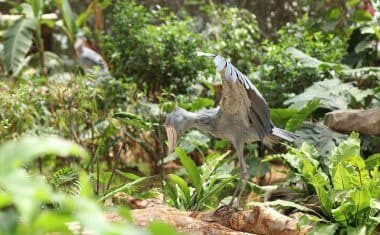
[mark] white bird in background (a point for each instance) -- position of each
(87, 57)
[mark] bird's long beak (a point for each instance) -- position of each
(172, 137)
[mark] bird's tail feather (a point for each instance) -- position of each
(278, 134)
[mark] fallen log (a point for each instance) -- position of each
(180, 220)
(225, 220)
(258, 220)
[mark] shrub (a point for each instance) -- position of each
(237, 37)
(281, 74)
(156, 51)
(348, 190)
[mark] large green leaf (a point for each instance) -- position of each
(296, 121)
(37, 7)
(281, 116)
(288, 204)
(321, 186)
(182, 184)
(211, 163)
(361, 199)
(349, 147)
(307, 61)
(193, 140)
(16, 153)
(332, 93)
(373, 161)
(82, 17)
(190, 168)
(361, 230)
(291, 118)
(325, 229)
(159, 228)
(214, 190)
(349, 173)
(333, 14)
(130, 186)
(322, 138)
(18, 39)
(69, 18)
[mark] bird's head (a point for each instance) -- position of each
(80, 40)
(80, 35)
(175, 126)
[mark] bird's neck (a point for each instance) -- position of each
(78, 46)
(203, 120)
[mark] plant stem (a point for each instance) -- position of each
(41, 47)
(115, 166)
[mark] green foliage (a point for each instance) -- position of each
(68, 16)
(291, 118)
(18, 39)
(362, 49)
(237, 37)
(29, 148)
(209, 182)
(128, 187)
(321, 137)
(66, 180)
(332, 93)
(341, 70)
(347, 189)
(152, 51)
(157, 51)
(29, 205)
(282, 75)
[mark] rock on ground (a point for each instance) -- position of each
(362, 121)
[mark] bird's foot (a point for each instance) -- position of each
(224, 212)
(234, 202)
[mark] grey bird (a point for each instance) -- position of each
(243, 116)
(88, 58)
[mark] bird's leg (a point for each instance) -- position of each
(236, 192)
(243, 176)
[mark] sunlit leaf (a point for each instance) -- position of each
(361, 15)
(69, 18)
(126, 187)
(361, 230)
(182, 184)
(191, 168)
(37, 7)
(332, 94)
(281, 116)
(298, 118)
(159, 228)
(17, 153)
(333, 14)
(17, 41)
(52, 221)
(373, 161)
(325, 229)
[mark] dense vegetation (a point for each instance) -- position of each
(71, 139)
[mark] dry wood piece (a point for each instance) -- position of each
(181, 220)
(225, 220)
(259, 220)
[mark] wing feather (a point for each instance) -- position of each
(92, 58)
(257, 108)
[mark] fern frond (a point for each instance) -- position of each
(66, 180)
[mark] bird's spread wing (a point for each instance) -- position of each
(91, 58)
(241, 95)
